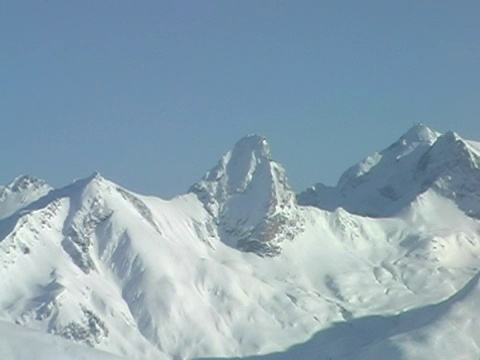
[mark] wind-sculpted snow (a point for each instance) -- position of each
(236, 268)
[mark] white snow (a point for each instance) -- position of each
(145, 278)
(21, 192)
(19, 343)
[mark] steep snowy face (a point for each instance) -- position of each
(382, 183)
(248, 196)
(21, 192)
(421, 160)
(44, 245)
(59, 261)
(451, 167)
(401, 154)
(392, 166)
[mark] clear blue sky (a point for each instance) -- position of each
(152, 93)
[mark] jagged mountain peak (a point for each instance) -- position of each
(450, 150)
(451, 136)
(92, 183)
(245, 191)
(400, 155)
(451, 167)
(420, 133)
(386, 182)
(253, 143)
(238, 164)
(21, 192)
(456, 145)
(95, 177)
(247, 164)
(25, 182)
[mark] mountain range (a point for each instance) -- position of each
(384, 265)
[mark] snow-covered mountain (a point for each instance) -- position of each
(383, 265)
(249, 198)
(21, 192)
(422, 160)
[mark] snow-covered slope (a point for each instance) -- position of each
(236, 268)
(386, 182)
(443, 331)
(19, 343)
(21, 192)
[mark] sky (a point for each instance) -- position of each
(152, 93)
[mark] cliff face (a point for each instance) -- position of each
(248, 196)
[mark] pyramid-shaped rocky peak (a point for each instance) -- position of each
(25, 183)
(89, 183)
(451, 167)
(450, 156)
(248, 196)
(419, 133)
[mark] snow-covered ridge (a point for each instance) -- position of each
(21, 192)
(146, 278)
(385, 183)
(415, 140)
